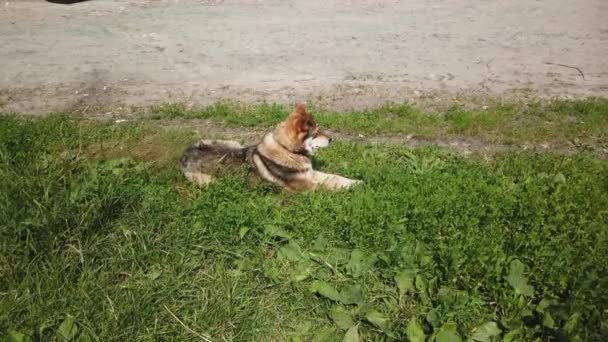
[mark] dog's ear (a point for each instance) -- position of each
(301, 123)
(299, 119)
(300, 109)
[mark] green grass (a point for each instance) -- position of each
(558, 123)
(101, 239)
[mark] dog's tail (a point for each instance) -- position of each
(204, 155)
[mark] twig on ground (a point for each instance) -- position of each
(305, 79)
(569, 66)
(202, 337)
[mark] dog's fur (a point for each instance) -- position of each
(283, 157)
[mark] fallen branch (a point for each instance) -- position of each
(569, 66)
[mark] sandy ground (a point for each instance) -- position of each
(340, 53)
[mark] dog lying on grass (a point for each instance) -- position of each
(283, 157)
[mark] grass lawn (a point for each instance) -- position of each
(102, 239)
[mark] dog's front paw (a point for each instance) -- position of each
(354, 182)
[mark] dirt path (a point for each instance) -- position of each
(340, 53)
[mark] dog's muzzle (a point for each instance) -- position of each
(316, 142)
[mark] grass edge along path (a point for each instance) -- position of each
(558, 123)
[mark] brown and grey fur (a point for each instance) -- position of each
(283, 157)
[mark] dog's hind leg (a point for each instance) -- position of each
(199, 178)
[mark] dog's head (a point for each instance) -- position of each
(299, 133)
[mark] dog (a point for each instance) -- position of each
(283, 157)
